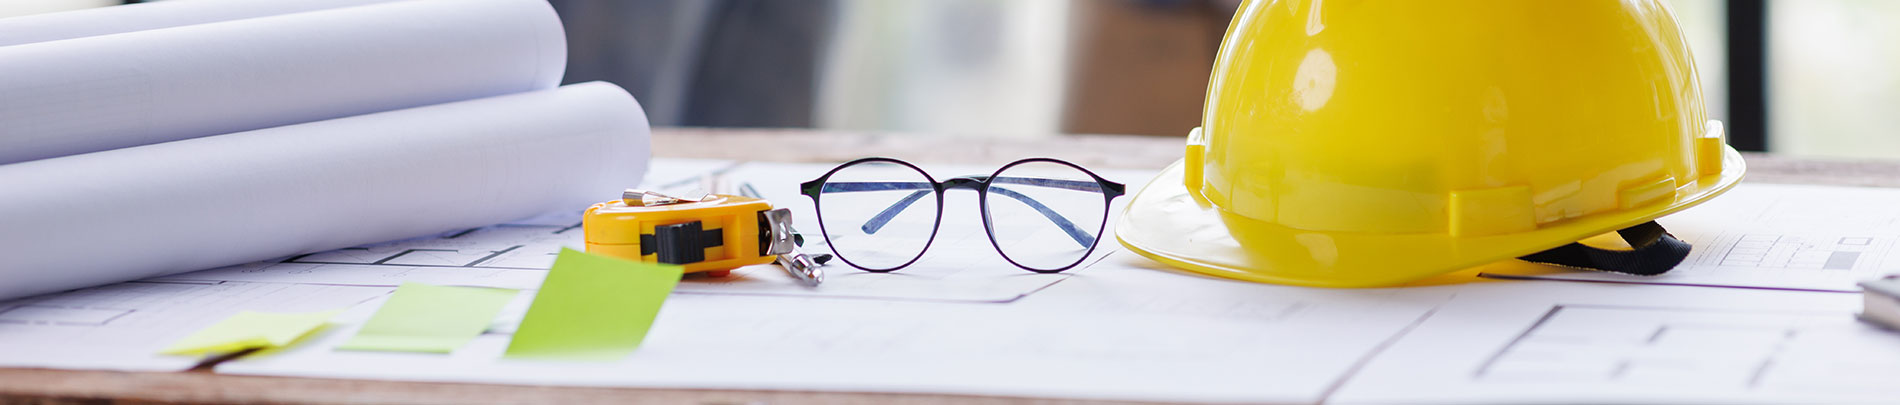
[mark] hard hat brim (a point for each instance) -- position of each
(1166, 223)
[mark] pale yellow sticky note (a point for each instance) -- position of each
(251, 330)
(430, 318)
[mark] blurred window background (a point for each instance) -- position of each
(1799, 77)
(1834, 71)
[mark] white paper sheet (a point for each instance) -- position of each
(960, 266)
(153, 15)
(160, 209)
(104, 92)
(1551, 342)
(1115, 331)
(123, 326)
(1771, 236)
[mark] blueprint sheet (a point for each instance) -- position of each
(1549, 342)
(963, 320)
(1117, 331)
(122, 326)
(1822, 238)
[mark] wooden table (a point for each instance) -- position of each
(1103, 151)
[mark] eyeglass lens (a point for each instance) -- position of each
(878, 215)
(1044, 215)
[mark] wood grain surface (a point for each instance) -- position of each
(39, 386)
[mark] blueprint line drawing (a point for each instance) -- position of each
(1114, 333)
(1730, 349)
(39, 314)
(1545, 342)
(122, 326)
(1758, 250)
(505, 246)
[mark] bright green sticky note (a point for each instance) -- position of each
(593, 307)
(251, 329)
(430, 318)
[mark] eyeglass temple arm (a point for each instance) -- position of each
(884, 217)
(1081, 237)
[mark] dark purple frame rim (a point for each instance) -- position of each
(1110, 190)
(811, 190)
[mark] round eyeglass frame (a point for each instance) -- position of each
(1110, 190)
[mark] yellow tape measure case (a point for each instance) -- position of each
(718, 233)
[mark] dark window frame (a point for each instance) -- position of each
(1747, 40)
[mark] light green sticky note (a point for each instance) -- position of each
(593, 308)
(251, 329)
(430, 318)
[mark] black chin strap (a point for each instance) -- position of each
(1653, 252)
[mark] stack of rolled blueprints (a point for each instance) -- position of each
(152, 139)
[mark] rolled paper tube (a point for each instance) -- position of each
(96, 93)
(201, 203)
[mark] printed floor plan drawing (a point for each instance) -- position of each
(1796, 252)
(1074, 339)
(1515, 342)
(1743, 350)
(505, 246)
(122, 326)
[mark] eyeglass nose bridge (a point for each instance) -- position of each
(969, 182)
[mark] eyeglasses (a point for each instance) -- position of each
(880, 214)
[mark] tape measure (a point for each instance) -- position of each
(712, 234)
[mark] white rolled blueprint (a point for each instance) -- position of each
(133, 213)
(112, 91)
(145, 16)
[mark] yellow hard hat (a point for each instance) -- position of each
(1369, 143)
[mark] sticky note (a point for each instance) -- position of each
(251, 329)
(430, 318)
(593, 308)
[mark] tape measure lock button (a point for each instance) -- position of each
(682, 243)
